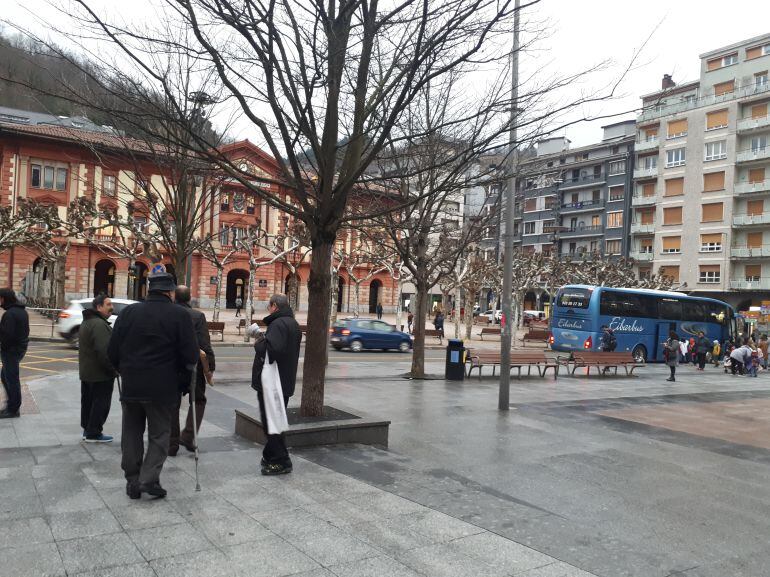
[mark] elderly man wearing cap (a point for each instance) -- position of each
(151, 344)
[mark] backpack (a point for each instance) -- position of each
(612, 342)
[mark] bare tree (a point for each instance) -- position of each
(220, 258)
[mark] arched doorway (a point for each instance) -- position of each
(340, 290)
(237, 281)
(374, 295)
(530, 301)
(291, 289)
(140, 282)
(104, 278)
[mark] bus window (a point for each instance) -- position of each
(574, 298)
(670, 309)
(694, 311)
(717, 313)
(622, 304)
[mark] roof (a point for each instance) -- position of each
(748, 42)
(75, 135)
(30, 117)
(673, 90)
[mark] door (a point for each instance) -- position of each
(660, 340)
(385, 337)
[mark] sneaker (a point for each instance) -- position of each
(276, 469)
(6, 414)
(153, 489)
(132, 490)
(99, 439)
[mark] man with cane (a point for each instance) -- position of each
(152, 343)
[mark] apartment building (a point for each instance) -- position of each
(701, 196)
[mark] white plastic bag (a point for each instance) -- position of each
(272, 393)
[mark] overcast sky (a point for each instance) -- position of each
(588, 32)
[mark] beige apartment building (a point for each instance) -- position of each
(701, 202)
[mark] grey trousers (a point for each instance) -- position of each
(139, 466)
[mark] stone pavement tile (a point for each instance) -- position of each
(390, 535)
(374, 567)
(8, 439)
(146, 514)
(557, 569)
(20, 532)
(386, 504)
(41, 560)
(317, 573)
(501, 552)
(19, 506)
(269, 557)
(209, 563)
(72, 453)
(298, 521)
(65, 496)
(342, 513)
(90, 553)
(19, 486)
(256, 499)
(134, 570)
(437, 526)
(169, 540)
(231, 530)
(83, 524)
(204, 505)
(334, 546)
(444, 561)
(105, 474)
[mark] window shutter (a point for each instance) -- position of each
(724, 87)
(754, 240)
(710, 238)
(648, 189)
(714, 181)
(646, 242)
(754, 52)
(715, 119)
(647, 216)
(674, 187)
(712, 212)
(670, 271)
(677, 127)
(755, 207)
(753, 270)
(757, 175)
(714, 64)
(672, 243)
(672, 215)
(759, 110)
(530, 204)
(651, 132)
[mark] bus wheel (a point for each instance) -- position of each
(640, 354)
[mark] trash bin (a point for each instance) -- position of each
(455, 360)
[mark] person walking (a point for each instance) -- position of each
(671, 354)
(702, 347)
(281, 343)
(763, 346)
(186, 438)
(409, 321)
(379, 311)
(14, 339)
(152, 343)
(97, 375)
(438, 322)
(238, 306)
(716, 352)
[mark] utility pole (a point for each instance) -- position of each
(508, 330)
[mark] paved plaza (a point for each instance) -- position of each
(584, 476)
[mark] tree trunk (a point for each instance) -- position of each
(292, 292)
(130, 280)
(250, 295)
(60, 269)
(317, 341)
(218, 296)
(357, 310)
(418, 327)
(399, 316)
(470, 300)
(180, 268)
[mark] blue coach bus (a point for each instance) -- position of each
(640, 318)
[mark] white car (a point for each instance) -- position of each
(494, 316)
(71, 318)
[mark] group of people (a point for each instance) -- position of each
(748, 357)
(157, 350)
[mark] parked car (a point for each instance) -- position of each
(530, 316)
(71, 318)
(494, 316)
(360, 334)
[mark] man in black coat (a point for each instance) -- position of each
(14, 338)
(281, 342)
(186, 438)
(151, 344)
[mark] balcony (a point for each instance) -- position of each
(582, 181)
(751, 219)
(751, 124)
(639, 228)
(641, 256)
(651, 172)
(644, 145)
(750, 251)
(642, 200)
(581, 231)
(751, 154)
(582, 206)
(753, 284)
(750, 187)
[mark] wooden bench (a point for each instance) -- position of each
(519, 360)
(216, 327)
(479, 320)
(538, 325)
(242, 324)
(490, 331)
(539, 336)
(435, 333)
(601, 361)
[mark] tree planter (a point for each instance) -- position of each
(334, 427)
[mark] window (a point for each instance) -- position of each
(716, 150)
(36, 171)
(140, 223)
(617, 192)
(650, 134)
(755, 207)
(48, 172)
(615, 219)
(674, 187)
(529, 228)
(675, 157)
(596, 221)
(754, 240)
(757, 51)
(646, 216)
(672, 244)
(618, 167)
(648, 189)
(645, 245)
(711, 242)
(722, 61)
(530, 205)
(645, 273)
(670, 309)
(672, 216)
(760, 79)
(108, 185)
(574, 298)
(709, 273)
(672, 272)
(713, 181)
(648, 162)
(716, 119)
(548, 226)
(712, 212)
(695, 311)
(758, 143)
(677, 128)
(224, 199)
(250, 205)
(612, 246)
(759, 110)
(61, 179)
(550, 202)
(622, 304)
(753, 272)
(724, 88)
(756, 175)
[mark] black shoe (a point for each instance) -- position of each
(276, 469)
(672, 379)
(6, 414)
(132, 490)
(189, 446)
(173, 452)
(153, 489)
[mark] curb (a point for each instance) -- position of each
(46, 340)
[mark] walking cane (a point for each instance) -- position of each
(195, 423)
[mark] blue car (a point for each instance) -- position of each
(360, 334)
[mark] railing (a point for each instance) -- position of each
(646, 172)
(582, 205)
(762, 283)
(639, 228)
(749, 187)
(750, 154)
(750, 251)
(582, 181)
(648, 144)
(750, 219)
(677, 107)
(48, 317)
(641, 256)
(753, 123)
(582, 231)
(643, 200)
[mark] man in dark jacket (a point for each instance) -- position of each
(281, 342)
(186, 438)
(14, 338)
(152, 343)
(97, 376)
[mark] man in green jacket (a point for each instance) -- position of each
(97, 376)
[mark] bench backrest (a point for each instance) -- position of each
(536, 334)
(592, 356)
(215, 326)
